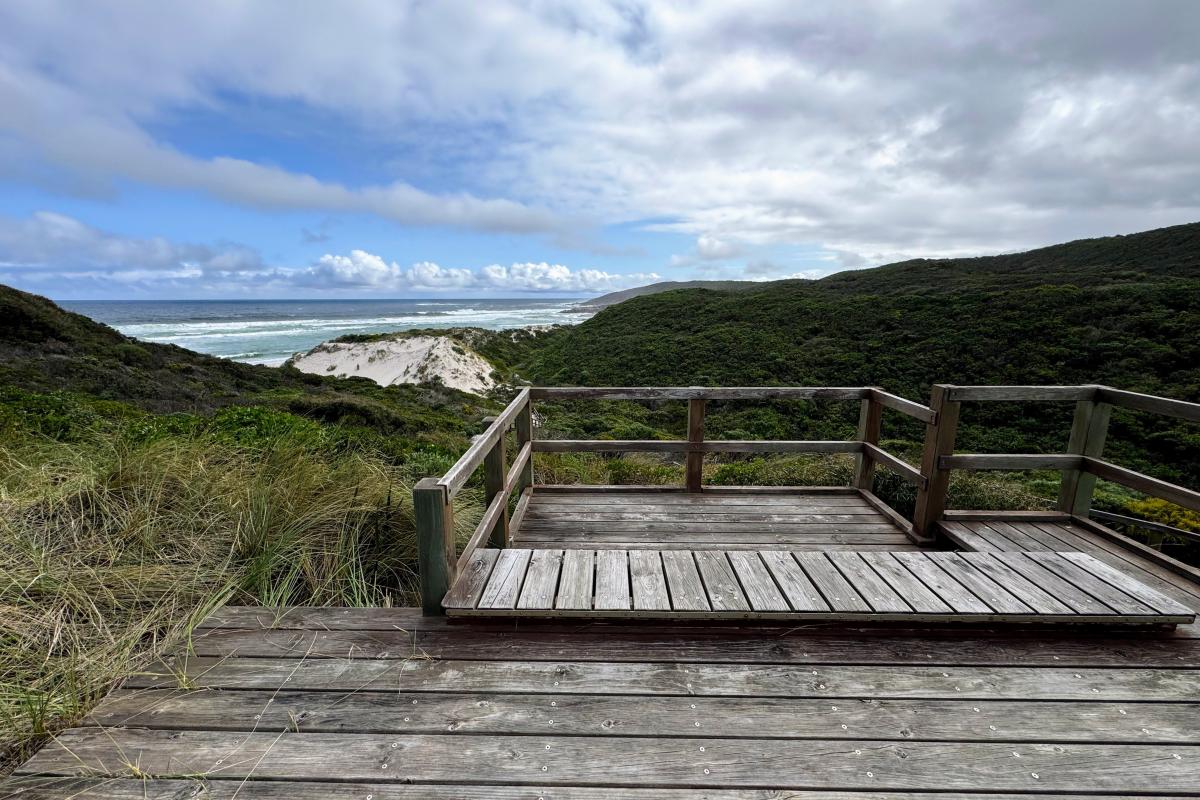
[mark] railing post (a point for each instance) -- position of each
(435, 542)
(695, 435)
(870, 419)
(495, 472)
(1088, 432)
(524, 425)
(939, 441)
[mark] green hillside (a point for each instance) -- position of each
(45, 349)
(1121, 310)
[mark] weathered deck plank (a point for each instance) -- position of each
(577, 580)
(689, 678)
(541, 580)
(683, 581)
(612, 580)
(834, 587)
(877, 592)
(466, 591)
(628, 761)
(801, 593)
(923, 599)
(763, 644)
(33, 788)
(720, 582)
(761, 589)
(606, 715)
(649, 582)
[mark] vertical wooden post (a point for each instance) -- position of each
(939, 441)
(870, 419)
(436, 550)
(495, 471)
(524, 425)
(1088, 432)
(695, 435)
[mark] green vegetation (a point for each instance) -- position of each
(119, 529)
(141, 484)
(1122, 311)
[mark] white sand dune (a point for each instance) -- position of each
(402, 359)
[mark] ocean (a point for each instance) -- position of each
(271, 331)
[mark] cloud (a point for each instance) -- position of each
(57, 253)
(363, 270)
(52, 243)
(708, 248)
(873, 129)
(100, 147)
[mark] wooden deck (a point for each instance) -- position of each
(1019, 587)
(390, 704)
(621, 518)
(399, 704)
(789, 554)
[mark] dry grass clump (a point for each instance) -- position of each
(111, 551)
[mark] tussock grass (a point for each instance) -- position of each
(111, 550)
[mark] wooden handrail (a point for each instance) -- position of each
(1145, 524)
(865, 447)
(434, 511)
(1188, 498)
(700, 392)
(1135, 401)
(896, 403)
(684, 446)
(1010, 461)
(1081, 465)
(468, 462)
(900, 467)
(1012, 394)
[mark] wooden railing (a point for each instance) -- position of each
(865, 447)
(1081, 465)
(438, 558)
(440, 561)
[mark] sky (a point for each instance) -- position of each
(229, 150)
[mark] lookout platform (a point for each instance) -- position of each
(796, 555)
(846, 704)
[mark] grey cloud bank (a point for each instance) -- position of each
(873, 131)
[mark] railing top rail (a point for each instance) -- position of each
(898, 403)
(1135, 401)
(960, 394)
(700, 392)
(457, 475)
(1148, 402)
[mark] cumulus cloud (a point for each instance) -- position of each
(364, 270)
(873, 128)
(708, 248)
